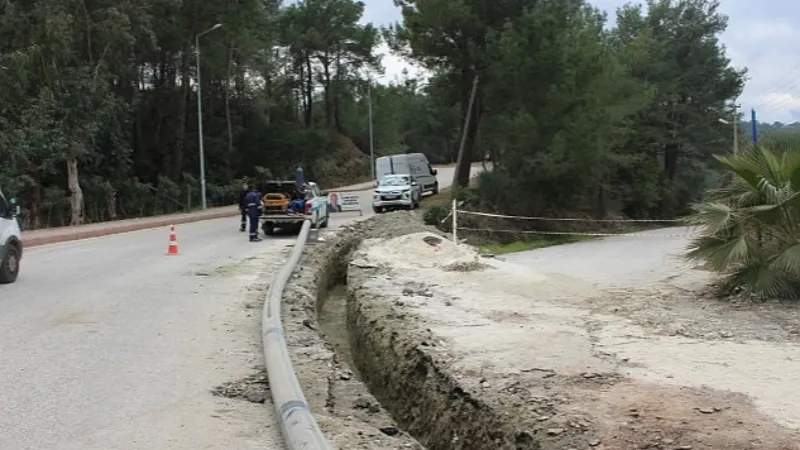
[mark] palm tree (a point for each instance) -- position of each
(751, 226)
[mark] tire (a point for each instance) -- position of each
(377, 210)
(435, 188)
(9, 264)
(268, 228)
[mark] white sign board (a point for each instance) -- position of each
(343, 202)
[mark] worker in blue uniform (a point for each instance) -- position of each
(253, 203)
(299, 178)
(298, 205)
(243, 206)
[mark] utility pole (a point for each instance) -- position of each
(754, 125)
(735, 129)
(465, 131)
(371, 135)
(203, 199)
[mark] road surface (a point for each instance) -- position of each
(108, 343)
(643, 259)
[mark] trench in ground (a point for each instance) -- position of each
(332, 316)
(426, 402)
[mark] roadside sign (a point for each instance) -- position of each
(341, 202)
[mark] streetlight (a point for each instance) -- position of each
(371, 136)
(200, 116)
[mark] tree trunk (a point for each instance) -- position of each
(111, 199)
(671, 152)
(230, 155)
(309, 91)
(35, 206)
(465, 163)
(76, 193)
(326, 73)
(180, 133)
(337, 106)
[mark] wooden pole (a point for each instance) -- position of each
(464, 132)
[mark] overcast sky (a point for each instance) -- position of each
(765, 39)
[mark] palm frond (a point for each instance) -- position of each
(721, 254)
(788, 262)
(761, 280)
(751, 228)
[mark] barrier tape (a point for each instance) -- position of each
(567, 219)
(570, 233)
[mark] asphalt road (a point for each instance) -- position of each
(646, 258)
(108, 343)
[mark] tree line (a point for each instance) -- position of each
(98, 118)
(98, 102)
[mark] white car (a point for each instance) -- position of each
(396, 192)
(10, 240)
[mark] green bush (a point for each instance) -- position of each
(750, 227)
(435, 215)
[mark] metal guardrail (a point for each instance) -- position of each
(300, 429)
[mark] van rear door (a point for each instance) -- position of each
(383, 167)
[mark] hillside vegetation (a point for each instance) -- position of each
(98, 118)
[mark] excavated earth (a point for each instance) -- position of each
(467, 353)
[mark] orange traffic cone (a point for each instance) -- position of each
(173, 242)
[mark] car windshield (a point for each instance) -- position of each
(394, 181)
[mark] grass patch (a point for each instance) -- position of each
(494, 248)
(443, 198)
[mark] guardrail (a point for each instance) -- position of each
(300, 429)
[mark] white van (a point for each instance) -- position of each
(414, 164)
(10, 240)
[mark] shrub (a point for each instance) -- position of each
(436, 214)
(751, 227)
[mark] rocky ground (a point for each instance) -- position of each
(549, 359)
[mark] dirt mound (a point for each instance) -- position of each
(509, 359)
(253, 388)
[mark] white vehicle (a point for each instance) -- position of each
(395, 192)
(414, 164)
(10, 240)
(277, 198)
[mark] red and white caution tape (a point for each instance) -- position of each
(567, 219)
(571, 233)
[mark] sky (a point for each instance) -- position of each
(764, 39)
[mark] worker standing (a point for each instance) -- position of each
(253, 204)
(243, 206)
(300, 179)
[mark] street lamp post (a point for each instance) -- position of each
(371, 135)
(735, 128)
(204, 203)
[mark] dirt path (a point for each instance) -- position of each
(601, 367)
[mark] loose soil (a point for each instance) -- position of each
(350, 417)
(478, 354)
(473, 353)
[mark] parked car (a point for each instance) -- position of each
(10, 240)
(396, 192)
